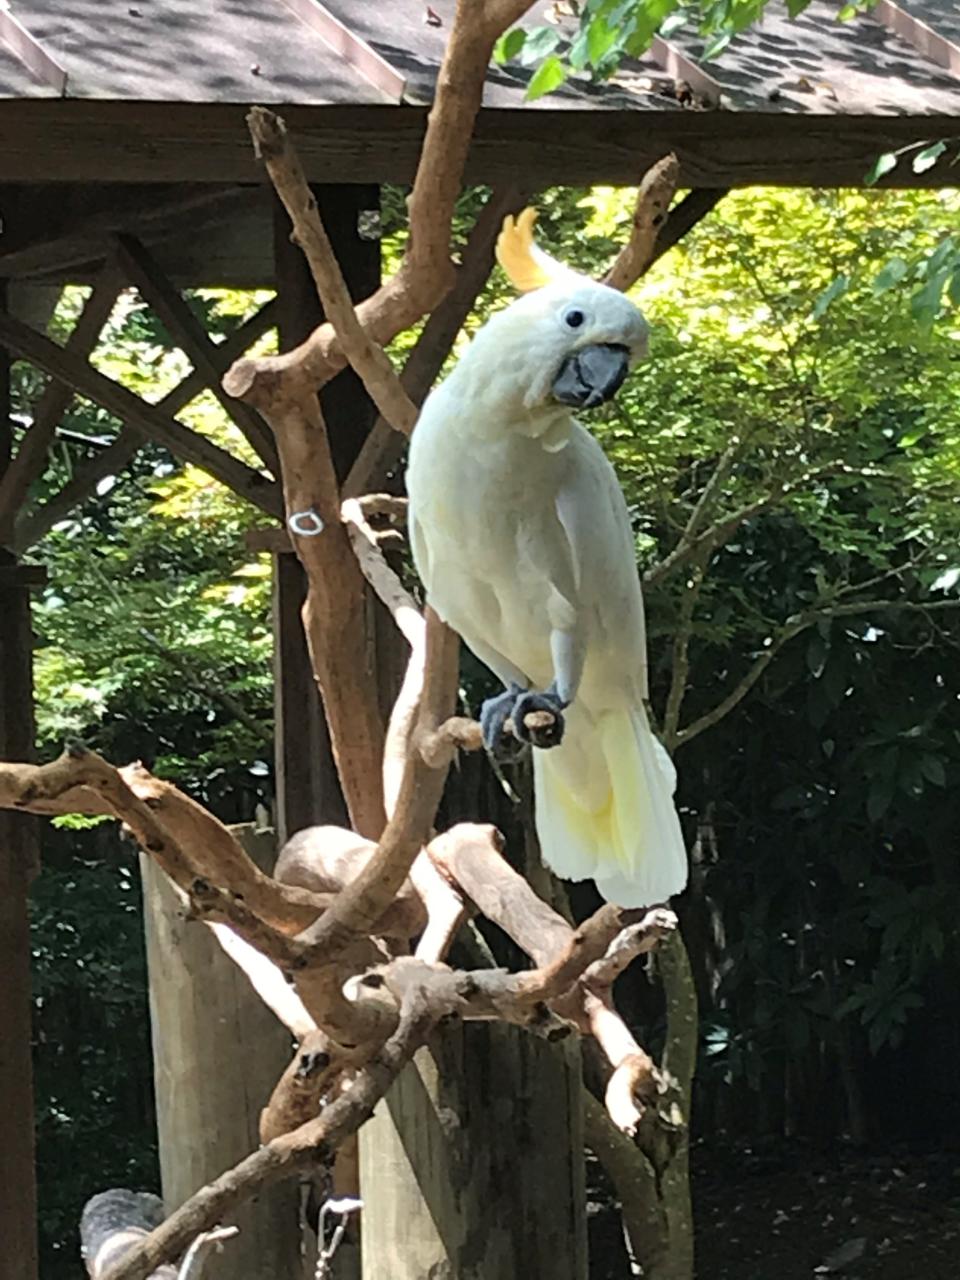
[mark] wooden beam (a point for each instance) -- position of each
(77, 140)
(208, 1094)
(49, 230)
(142, 418)
(52, 405)
(190, 336)
(30, 528)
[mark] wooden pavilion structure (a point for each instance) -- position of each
(125, 162)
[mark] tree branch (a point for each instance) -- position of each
(273, 147)
(793, 626)
(649, 216)
(383, 445)
(286, 1156)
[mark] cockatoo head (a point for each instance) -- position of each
(567, 341)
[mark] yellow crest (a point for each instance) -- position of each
(521, 258)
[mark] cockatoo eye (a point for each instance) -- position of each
(574, 318)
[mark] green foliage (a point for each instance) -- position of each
(153, 642)
(611, 30)
(827, 872)
(95, 1125)
(774, 347)
(153, 634)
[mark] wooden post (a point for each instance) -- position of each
(465, 1166)
(19, 857)
(217, 1054)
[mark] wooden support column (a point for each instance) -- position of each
(217, 1054)
(19, 857)
(466, 1166)
(306, 780)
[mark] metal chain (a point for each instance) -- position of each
(343, 1206)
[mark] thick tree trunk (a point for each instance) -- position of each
(472, 1166)
(217, 1054)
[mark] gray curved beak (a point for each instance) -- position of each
(591, 375)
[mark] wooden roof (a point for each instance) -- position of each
(154, 90)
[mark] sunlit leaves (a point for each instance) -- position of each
(548, 76)
(610, 30)
(883, 164)
(928, 157)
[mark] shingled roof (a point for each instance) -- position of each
(67, 67)
(352, 52)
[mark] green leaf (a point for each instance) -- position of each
(878, 799)
(673, 22)
(509, 45)
(539, 43)
(578, 55)
(716, 46)
(549, 76)
(830, 295)
(600, 40)
(926, 304)
(883, 164)
(928, 157)
(847, 12)
(890, 275)
(933, 770)
(796, 7)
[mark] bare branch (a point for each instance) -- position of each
(383, 445)
(634, 1179)
(426, 274)
(188, 842)
(653, 200)
(380, 379)
(719, 533)
(358, 908)
(285, 1156)
(680, 665)
(791, 628)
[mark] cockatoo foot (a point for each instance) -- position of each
(494, 714)
(548, 708)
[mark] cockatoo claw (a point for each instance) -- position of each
(547, 707)
(494, 714)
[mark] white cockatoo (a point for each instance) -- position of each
(522, 539)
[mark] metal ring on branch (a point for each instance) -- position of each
(305, 524)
